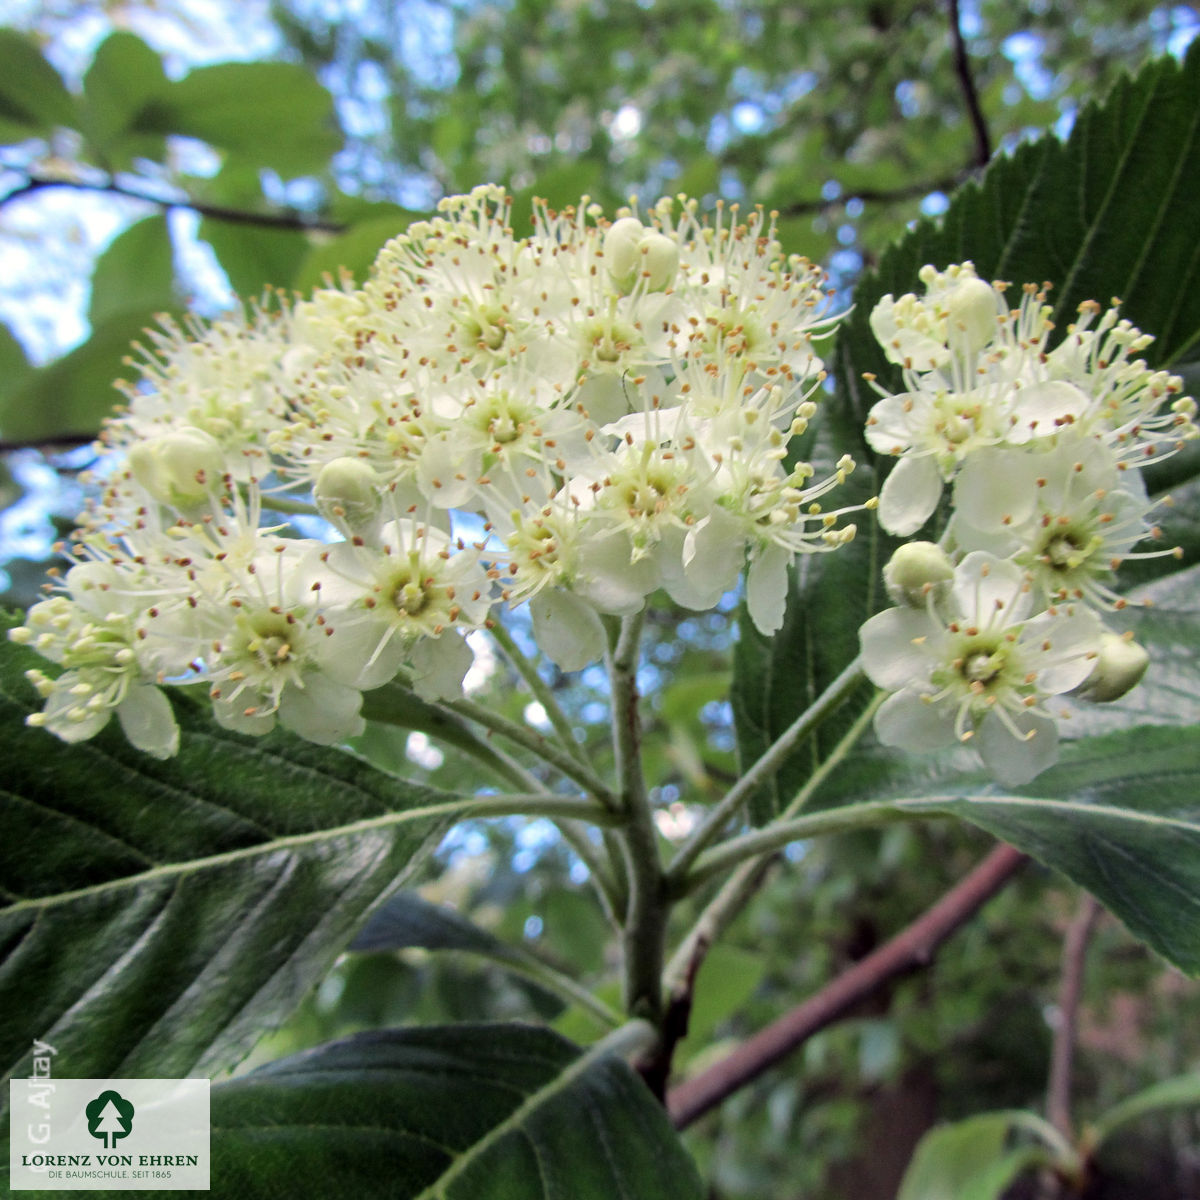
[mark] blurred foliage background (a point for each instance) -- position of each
(168, 157)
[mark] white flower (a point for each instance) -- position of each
(956, 317)
(1067, 515)
(401, 604)
(95, 633)
(979, 666)
(276, 655)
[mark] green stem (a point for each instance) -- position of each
(736, 892)
(539, 804)
(401, 709)
(630, 1040)
(846, 743)
(534, 742)
(612, 900)
(281, 504)
(564, 987)
(542, 691)
(782, 833)
(766, 766)
(462, 808)
(646, 912)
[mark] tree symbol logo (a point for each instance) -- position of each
(109, 1117)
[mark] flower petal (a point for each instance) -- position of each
(909, 495)
(567, 629)
(767, 588)
(148, 720)
(996, 488)
(895, 647)
(323, 712)
(913, 723)
(1016, 760)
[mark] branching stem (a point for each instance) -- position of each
(775, 836)
(737, 891)
(534, 742)
(966, 82)
(542, 692)
(217, 212)
(646, 911)
(768, 763)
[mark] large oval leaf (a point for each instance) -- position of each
(125, 78)
(73, 394)
(135, 274)
(270, 114)
(33, 97)
(458, 1112)
(1119, 815)
(156, 917)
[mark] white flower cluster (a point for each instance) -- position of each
(1042, 448)
(575, 419)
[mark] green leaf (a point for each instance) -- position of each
(728, 978)
(14, 365)
(255, 257)
(353, 251)
(135, 273)
(1183, 1091)
(407, 921)
(777, 678)
(271, 114)
(73, 393)
(458, 1112)
(125, 79)
(1119, 815)
(968, 1160)
(33, 97)
(1109, 212)
(158, 916)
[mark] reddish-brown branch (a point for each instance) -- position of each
(1062, 1060)
(913, 947)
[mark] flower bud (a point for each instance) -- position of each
(347, 495)
(971, 309)
(179, 468)
(660, 261)
(1119, 668)
(915, 570)
(621, 251)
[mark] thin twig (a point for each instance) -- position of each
(217, 212)
(766, 766)
(868, 814)
(540, 689)
(1062, 1055)
(50, 443)
(908, 191)
(537, 744)
(736, 892)
(966, 81)
(911, 948)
